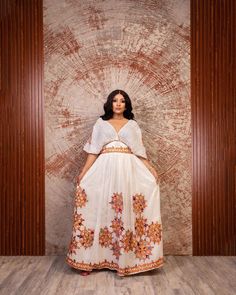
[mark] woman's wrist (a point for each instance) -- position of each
(151, 166)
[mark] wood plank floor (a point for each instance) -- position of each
(179, 275)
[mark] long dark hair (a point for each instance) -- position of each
(108, 105)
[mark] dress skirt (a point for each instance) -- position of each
(116, 220)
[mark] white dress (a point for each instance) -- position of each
(116, 221)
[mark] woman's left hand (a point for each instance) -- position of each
(155, 174)
(150, 167)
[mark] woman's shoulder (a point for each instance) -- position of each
(98, 121)
(134, 123)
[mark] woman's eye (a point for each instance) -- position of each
(123, 101)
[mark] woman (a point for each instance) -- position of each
(117, 222)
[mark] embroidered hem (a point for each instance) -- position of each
(114, 266)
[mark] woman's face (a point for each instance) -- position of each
(118, 105)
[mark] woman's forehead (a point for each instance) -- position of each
(119, 96)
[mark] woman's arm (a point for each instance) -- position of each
(91, 158)
(148, 164)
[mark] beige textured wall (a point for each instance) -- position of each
(92, 48)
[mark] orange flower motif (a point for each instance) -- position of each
(134, 242)
(154, 232)
(86, 238)
(80, 197)
(140, 226)
(143, 249)
(117, 202)
(116, 249)
(127, 241)
(139, 203)
(73, 246)
(78, 221)
(117, 226)
(105, 237)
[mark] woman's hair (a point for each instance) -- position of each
(108, 105)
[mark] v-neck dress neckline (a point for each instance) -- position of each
(117, 132)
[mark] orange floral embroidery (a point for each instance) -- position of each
(117, 226)
(127, 241)
(140, 226)
(78, 221)
(73, 245)
(143, 249)
(139, 203)
(80, 197)
(116, 249)
(81, 235)
(154, 232)
(120, 240)
(86, 237)
(105, 237)
(117, 202)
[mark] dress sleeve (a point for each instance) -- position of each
(94, 143)
(140, 149)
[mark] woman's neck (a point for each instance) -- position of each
(118, 116)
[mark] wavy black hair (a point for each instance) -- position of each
(108, 105)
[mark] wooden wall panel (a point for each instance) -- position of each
(22, 208)
(213, 126)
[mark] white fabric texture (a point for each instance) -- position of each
(103, 133)
(116, 220)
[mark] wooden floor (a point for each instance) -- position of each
(179, 275)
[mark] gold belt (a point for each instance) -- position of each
(117, 149)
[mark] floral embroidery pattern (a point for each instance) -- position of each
(80, 197)
(81, 236)
(105, 237)
(128, 241)
(119, 240)
(140, 226)
(78, 221)
(117, 226)
(153, 232)
(139, 203)
(72, 246)
(117, 202)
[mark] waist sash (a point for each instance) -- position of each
(116, 149)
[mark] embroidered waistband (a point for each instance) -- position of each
(116, 149)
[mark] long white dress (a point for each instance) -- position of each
(116, 221)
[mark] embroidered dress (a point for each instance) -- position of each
(116, 220)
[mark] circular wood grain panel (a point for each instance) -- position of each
(92, 48)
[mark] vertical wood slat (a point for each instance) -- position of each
(213, 126)
(22, 203)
